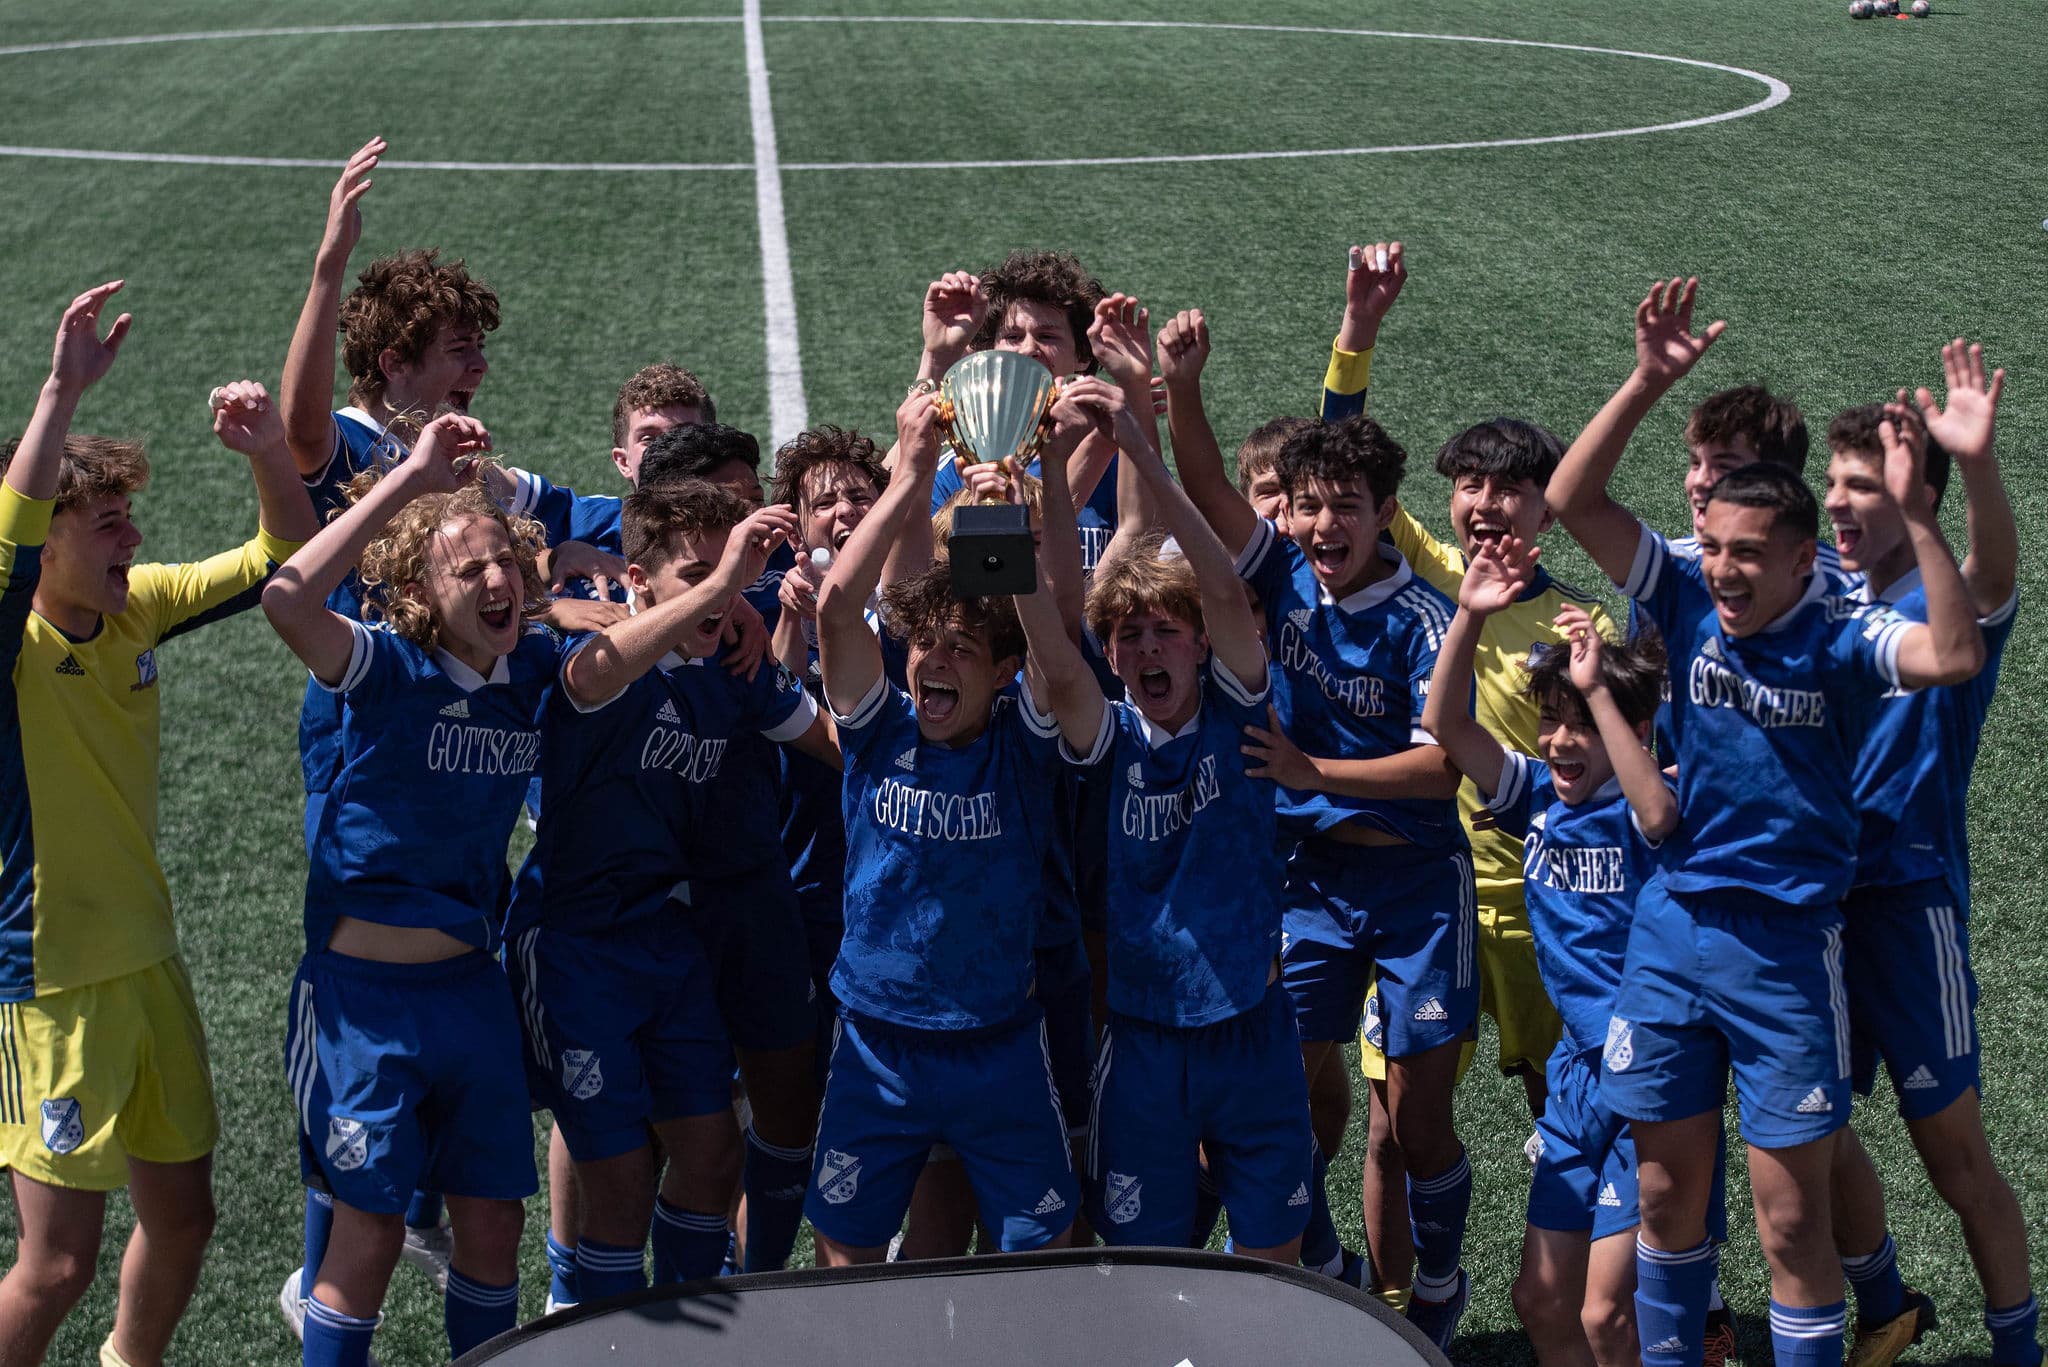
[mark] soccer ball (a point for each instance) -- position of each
(1881, 8)
(1921, 9)
(1859, 9)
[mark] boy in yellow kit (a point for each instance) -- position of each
(105, 1081)
(1498, 470)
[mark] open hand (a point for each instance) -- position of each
(344, 217)
(1666, 347)
(444, 457)
(1498, 575)
(1904, 437)
(954, 306)
(81, 356)
(1584, 639)
(1121, 339)
(581, 560)
(748, 546)
(1280, 759)
(1964, 427)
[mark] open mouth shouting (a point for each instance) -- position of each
(1329, 557)
(1733, 602)
(937, 702)
(1155, 684)
(1848, 536)
(1487, 532)
(498, 613)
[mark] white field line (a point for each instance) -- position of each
(788, 415)
(1777, 92)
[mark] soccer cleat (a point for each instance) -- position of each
(553, 1305)
(1717, 1347)
(430, 1251)
(1439, 1319)
(1532, 1148)
(1883, 1345)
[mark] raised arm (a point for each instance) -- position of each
(1373, 276)
(1195, 452)
(1058, 675)
(307, 393)
(1495, 579)
(1964, 429)
(295, 599)
(1121, 338)
(849, 656)
(1949, 647)
(246, 420)
(1650, 799)
(1059, 551)
(77, 361)
(621, 654)
(1666, 348)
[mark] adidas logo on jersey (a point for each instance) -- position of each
(1300, 1197)
(1049, 1204)
(70, 666)
(458, 708)
(907, 760)
(1711, 648)
(1609, 1197)
(1920, 1080)
(669, 714)
(1301, 617)
(1432, 1010)
(1674, 1344)
(1136, 775)
(1815, 1102)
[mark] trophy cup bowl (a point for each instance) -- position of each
(993, 406)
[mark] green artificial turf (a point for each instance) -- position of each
(1892, 203)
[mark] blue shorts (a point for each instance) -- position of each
(1585, 1175)
(1407, 913)
(823, 938)
(1718, 984)
(752, 929)
(1233, 1089)
(893, 1094)
(407, 1077)
(1912, 994)
(1067, 996)
(621, 1031)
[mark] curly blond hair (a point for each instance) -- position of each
(401, 557)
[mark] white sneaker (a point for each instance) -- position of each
(430, 1251)
(554, 1305)
(1533, 1148)
(292, 1306)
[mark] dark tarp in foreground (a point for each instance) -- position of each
(1128, 1307)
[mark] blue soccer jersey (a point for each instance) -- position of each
(1194, 865)
(1768, 727)
(740, 831)
(1095, 519)
(434, 759)
(1350, 680)
(1913, 772)
(1582, 868)
(945, 853)
(629, 782)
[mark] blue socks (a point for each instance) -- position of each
(562, 1287)
(475, 1313)
(424, 1210)
(334, 1339)
(2015, 1334)
(1209, 1207)
(1672, 1291)
(1880, 1295)
(1320, 1249)
(687, 1245)
(1437, 1207)
(775, 1181)
(608, 1269)
(1808, 1336)
(319, 1224)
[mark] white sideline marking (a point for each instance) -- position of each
(1777, 93)
(788, 415)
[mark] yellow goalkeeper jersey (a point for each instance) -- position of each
(82, 898)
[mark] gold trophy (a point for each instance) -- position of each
(995, 406)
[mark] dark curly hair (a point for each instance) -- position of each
(821, 448)
(1056, 279)
(1355, 448)
(697, 450)
(1854, 433)
(1633, 673)
(1774, 425)
(661, 385)
(398, 304)
(920, 607)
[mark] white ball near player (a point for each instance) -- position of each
(1859, 9)
(1921, 9)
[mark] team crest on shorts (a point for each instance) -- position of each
(348, 1143)
(1621, 1045)
(838, 1177)
(582, 1075)
(1121, 1198)
(1375, 1032)
(63, 1125)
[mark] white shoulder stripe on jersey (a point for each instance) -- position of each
(2003, 614)
(1653, 552)
(600, 704)
(1428, 610)
(1235, 687)
(1041, 722)
(363, 646)
(1514, 781)
(525, 493)
(1888, 652)
(867, 709)
(796, 723)
(1254, 553)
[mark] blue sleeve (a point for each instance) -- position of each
(775, 701)
(1267, 564)
(861, 729)
(1868, 642)
(382, 663)
(564, 514)
(1525, 788)
(1661, 583)
(1034, 735)
(945, 483)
